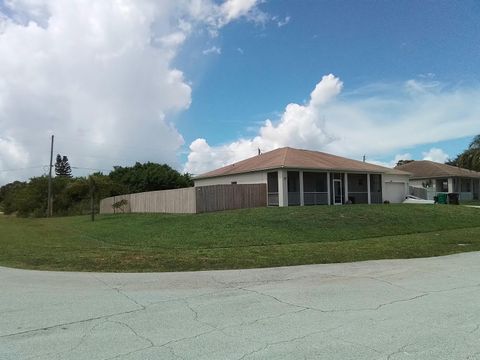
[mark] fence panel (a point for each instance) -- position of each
(229, 197)
(180, 201)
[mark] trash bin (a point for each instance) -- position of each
(442, 198)
(453, 198)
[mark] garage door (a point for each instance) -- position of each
(395, 192)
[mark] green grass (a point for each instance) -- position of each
(238, 239)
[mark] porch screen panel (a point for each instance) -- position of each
(315, 188)
(293, 185)
(358, 188)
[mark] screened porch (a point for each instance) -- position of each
(303, 188)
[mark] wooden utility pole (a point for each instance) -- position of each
(49, 201)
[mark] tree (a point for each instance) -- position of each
(470, 158)
(149, 177)
(62, 167)
(9, 196)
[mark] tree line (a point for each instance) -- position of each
(72, 195)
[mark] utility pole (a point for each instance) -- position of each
(49, 201)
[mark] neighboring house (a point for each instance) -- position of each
(303, 177)
(442, 178)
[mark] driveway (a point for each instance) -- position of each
(390, 309)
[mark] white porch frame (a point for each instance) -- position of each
(346, 188)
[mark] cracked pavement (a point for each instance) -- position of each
(387, 309)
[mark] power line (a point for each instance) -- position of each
(25, 168)
(86, 168)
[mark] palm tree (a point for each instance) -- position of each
(470, 158)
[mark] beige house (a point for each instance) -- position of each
(442, 178)
(303, 177)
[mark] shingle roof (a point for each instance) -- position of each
(298, 159)
(424, 169)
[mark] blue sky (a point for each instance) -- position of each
(202, 83)
(362, 42)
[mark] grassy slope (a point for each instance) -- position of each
(238, 239)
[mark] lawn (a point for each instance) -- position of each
(238, 239)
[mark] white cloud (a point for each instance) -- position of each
(99, 75)
(435, 154)
(13, 154)
(394, 162)
(212, 50)
(283, 22)
(375, 123)
(300, 125)
(217, 16)
(232, 9)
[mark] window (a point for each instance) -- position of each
(234, 183)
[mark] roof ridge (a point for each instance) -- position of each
(286, 148)
(453, 167)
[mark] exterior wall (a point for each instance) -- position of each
(248, 178)
(395, 187)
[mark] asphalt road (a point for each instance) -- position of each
(392, 309)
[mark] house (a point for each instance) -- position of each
(442, 178)
(303, 177)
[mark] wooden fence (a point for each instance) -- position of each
(229, 197)
(190, 200)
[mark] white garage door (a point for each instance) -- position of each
(395, 192)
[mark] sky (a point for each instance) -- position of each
(199, 84)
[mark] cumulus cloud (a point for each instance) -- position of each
(376, 121)
(300, 125)
(435, 154)
(99, 75)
